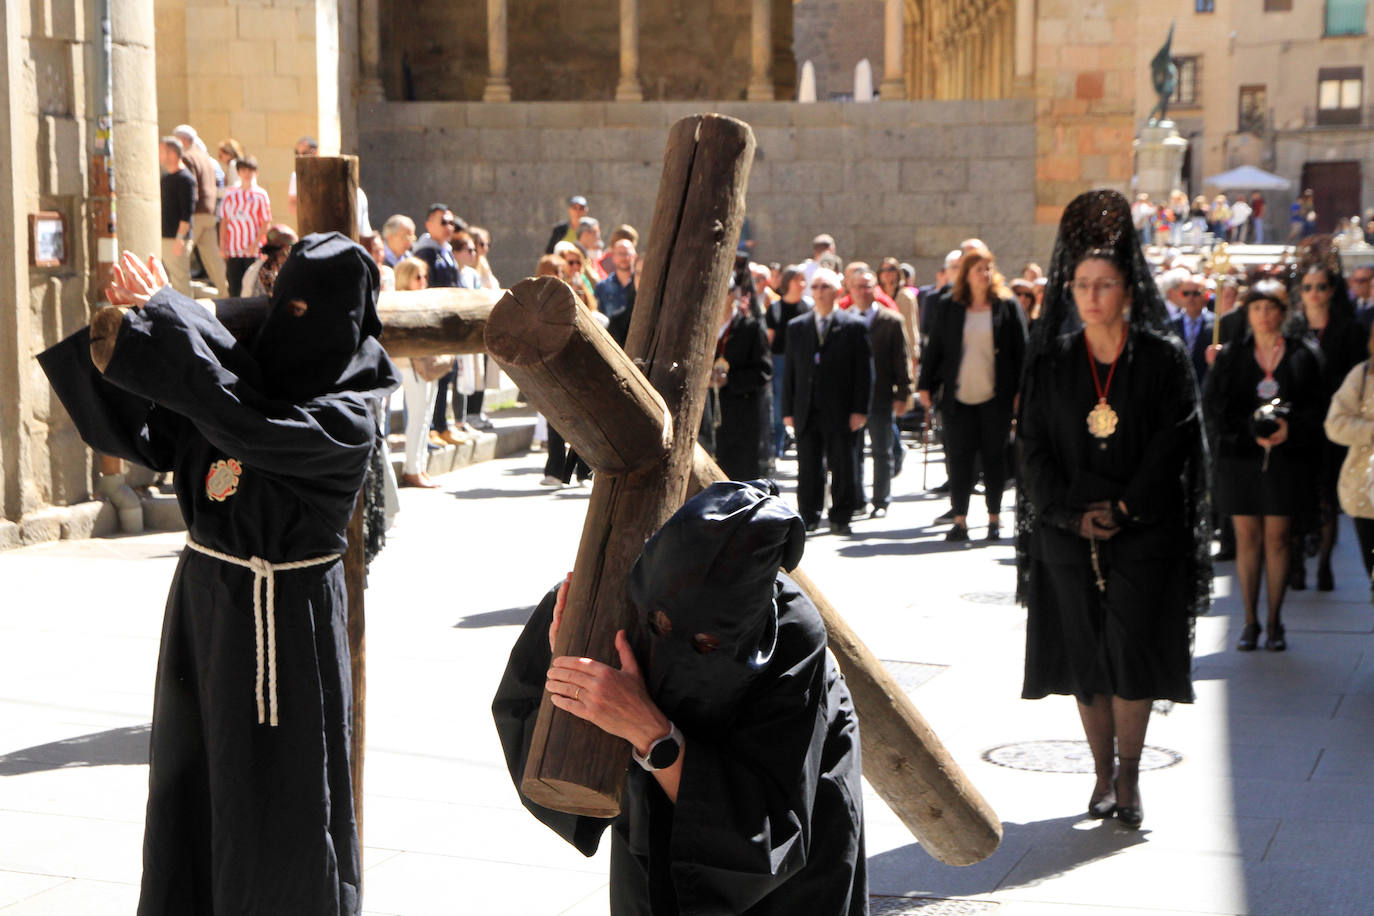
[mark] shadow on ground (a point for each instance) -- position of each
(510, 617)
(127, 746)
(1029, 854)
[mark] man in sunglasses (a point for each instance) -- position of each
(1193, 326)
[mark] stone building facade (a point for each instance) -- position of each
(51, 146)
(1279, 85)
(993, 114)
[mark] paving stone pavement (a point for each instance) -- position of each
(1268, 808)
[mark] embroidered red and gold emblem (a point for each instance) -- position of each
(222, 481)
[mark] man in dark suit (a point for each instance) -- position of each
(1194, 326)
(891, 387)
(828, 382)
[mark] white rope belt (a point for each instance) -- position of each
(264, 571)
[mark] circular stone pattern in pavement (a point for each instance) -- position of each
(1067, 757)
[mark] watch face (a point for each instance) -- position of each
(664, 753)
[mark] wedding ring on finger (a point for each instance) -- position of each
(578, 695)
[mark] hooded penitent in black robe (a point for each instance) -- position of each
(250, 802)
(769, 816)
(1134, 640)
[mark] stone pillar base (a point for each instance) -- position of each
(1159, 160)
(892, 90)
(628, 90)
(497, 89)
(760, 92)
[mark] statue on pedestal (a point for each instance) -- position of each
(1164, 74)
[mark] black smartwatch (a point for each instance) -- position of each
(663, 753)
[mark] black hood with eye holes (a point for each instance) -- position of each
(332, 345)
(712, 569)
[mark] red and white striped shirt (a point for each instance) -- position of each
(246, 210)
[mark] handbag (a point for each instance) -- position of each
(431, 368)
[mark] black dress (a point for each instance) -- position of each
(242, 817)
(1245, 485)
(739, 840)
(1132, 642)
(746, 404)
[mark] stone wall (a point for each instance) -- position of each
(1085, 104)
(909, 179)
(50, 71)
(436, 50)
(264, 72)
(835, 35)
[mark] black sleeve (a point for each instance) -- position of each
(186, 195)
(110, 420)
(555, 237)
(515, 708)
(161, 356)
(789, 371)
(933, 353)
(1227, 410)
(1178, 422)
(899, 356)
(1016, 340)
(1042, 472)
(1310, 399)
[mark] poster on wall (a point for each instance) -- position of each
(47, 239)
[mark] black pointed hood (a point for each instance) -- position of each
(332, 345)
(704, 586)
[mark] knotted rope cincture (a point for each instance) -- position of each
(264, 572)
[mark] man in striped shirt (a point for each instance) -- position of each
(244, 218)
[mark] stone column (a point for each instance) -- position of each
(761, 53)
(628, 89)
(370, 51)
(1023, 30)
(498, 87)
(894, 78)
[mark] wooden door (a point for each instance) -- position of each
(1335, 191)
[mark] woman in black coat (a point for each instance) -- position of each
(974, 358)
(1113, 522)
(743, 377)
(1331, 326)
(1265, 471)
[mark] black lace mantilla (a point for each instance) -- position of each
(1101, 221)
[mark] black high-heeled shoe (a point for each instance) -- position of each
(1131, 816)
(994, 531)
(1104, 807)
(1249, 638)
(1276, 642)
(1326, 582)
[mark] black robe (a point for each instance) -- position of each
(769, 816)
(1134, 642)
(242, 818)
(743, 439)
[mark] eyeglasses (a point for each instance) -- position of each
(571, 263)
(467, 248)
(1318, 287)
(1087, 287)
(1190, 293)
(450, 222)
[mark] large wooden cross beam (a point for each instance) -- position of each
(601, 402)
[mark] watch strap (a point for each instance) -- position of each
(673, 735)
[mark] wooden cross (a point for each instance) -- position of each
(627, 424)
(638, 430)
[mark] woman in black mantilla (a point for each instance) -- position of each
(1112, 515)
